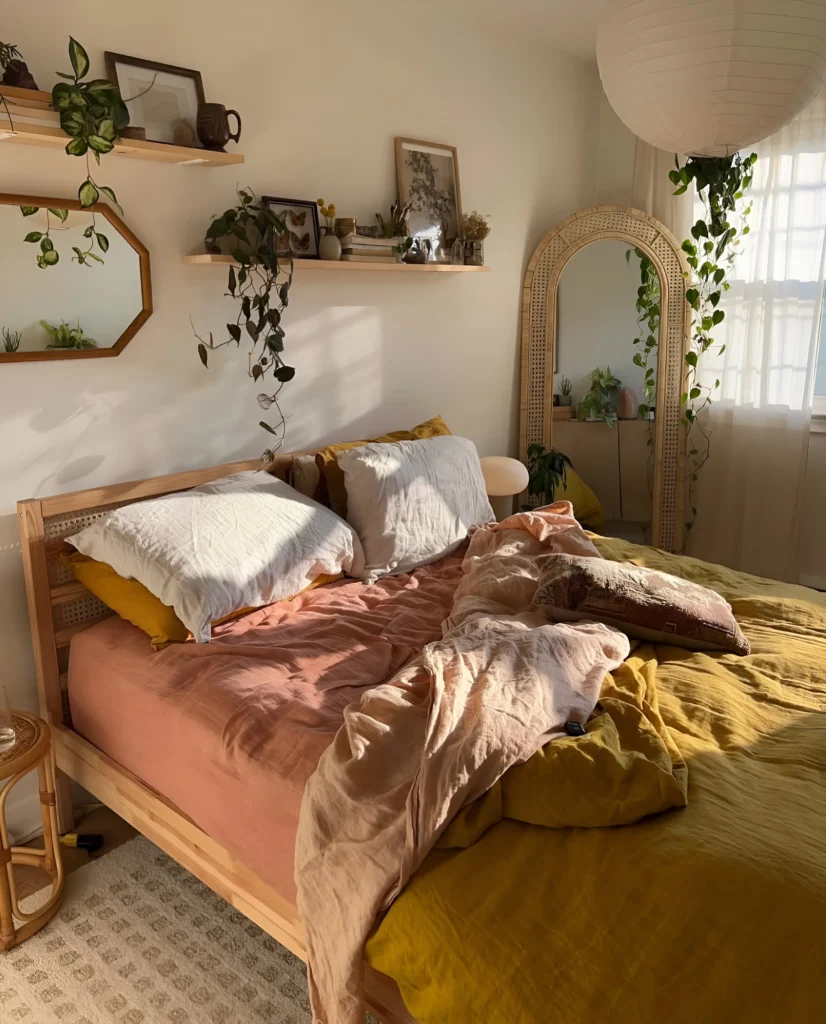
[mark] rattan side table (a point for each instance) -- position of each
(33, 748)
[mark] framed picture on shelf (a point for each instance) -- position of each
(161, 98)
(301, 216)
(428, 175)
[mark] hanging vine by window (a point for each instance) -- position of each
(721, 184)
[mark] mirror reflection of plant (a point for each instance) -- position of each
(603, 391)
(648, 320)
(721, 184)
(93, 114)
(546, 471)
(64, 336)
(254, 229)
(11, 340)
(565, 386)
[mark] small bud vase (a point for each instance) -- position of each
(329, 247)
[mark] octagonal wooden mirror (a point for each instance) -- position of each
(75, 282)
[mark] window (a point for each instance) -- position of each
(819, 402)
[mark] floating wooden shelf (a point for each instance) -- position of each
(45, 135)
(347, 266)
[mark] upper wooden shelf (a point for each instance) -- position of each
(54, 137)
(347, 266)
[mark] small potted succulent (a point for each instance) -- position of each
(475, 229)
(565, 387)
(11, 340)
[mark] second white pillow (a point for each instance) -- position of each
(412, 502)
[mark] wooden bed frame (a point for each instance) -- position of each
(59, 608)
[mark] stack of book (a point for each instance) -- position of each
(366, 249)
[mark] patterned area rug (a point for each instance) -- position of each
(139, 940)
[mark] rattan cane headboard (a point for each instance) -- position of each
(539, 313)
(59, 606)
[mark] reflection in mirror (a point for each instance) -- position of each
(67, 308)
(605, 356)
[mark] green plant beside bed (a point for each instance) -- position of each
(547, 470)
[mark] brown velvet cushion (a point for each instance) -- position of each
(641, 602)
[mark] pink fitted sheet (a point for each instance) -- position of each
(230, 731)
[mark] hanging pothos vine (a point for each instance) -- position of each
(260, 247)
(721, 184)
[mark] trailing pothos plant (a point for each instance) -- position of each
(93, 115)
(648, 321)
(721, 184)
(261, 286)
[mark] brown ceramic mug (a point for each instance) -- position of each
(213, 125)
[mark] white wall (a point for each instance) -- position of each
(322, 89)
(597, 318)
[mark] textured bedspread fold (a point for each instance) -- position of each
(417, 750)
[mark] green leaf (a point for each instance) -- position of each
(234, 332)
(283, 293)
(683, 398)
(78, 57)
(89, 231)
(252, 330)
(706, 323)
(62, 74)
(637, 360)
(33, 236)
(266, 426)
(27, 211)
(231, 281)
(73, 123)
(93, 256)
(50, 258)
(67, 97)
(121, 114)
(682, 189)
(77, 147)
(62, 215)
(643, 410)
(718, 317)
(700, 230)
(284, 373)
(102, 241)
(100, 85)
(100, 145)
(202, 352)
(692, 296)
(691, 359)
(714, 298)
(110, 193)
(695, 393)
(88, 194)
(46, 244)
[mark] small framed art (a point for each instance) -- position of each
(301, 217)
(161, 98)
(429, 180)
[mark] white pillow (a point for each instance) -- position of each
(242, 541)
(412, 502)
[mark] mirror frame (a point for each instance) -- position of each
(539, 328)
(11, 199)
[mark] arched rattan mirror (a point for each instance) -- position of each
(649, 484)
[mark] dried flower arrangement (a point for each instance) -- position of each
(475, 226)
(328, 212)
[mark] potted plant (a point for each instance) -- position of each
(396, 224)
(599, 402)
(547, 470)
(11, 340)
(475, 229)
(65, 336)
(15, 70)
(565, 387)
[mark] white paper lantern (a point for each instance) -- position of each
(709, 77)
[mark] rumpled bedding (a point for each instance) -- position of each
(424, 756)
(711, 915)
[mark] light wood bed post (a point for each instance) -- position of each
(49, 690)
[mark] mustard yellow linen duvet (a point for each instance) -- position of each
(710, 912)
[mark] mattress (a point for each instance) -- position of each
(230, 731)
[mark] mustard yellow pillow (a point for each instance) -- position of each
(134, 603)
(587, 507)
(331, 490)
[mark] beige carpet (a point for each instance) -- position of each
(139, 940)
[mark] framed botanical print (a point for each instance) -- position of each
(161, 98)
(301, 218)
(429, 180)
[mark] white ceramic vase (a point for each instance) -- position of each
(329, 247)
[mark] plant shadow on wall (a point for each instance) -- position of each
(254, 231)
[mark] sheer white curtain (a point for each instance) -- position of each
(748, 494)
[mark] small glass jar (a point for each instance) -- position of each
(457, 253)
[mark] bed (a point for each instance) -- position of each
(753, 735)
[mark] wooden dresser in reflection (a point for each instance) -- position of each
(614, 462)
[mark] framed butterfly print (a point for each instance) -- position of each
(301, 218)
